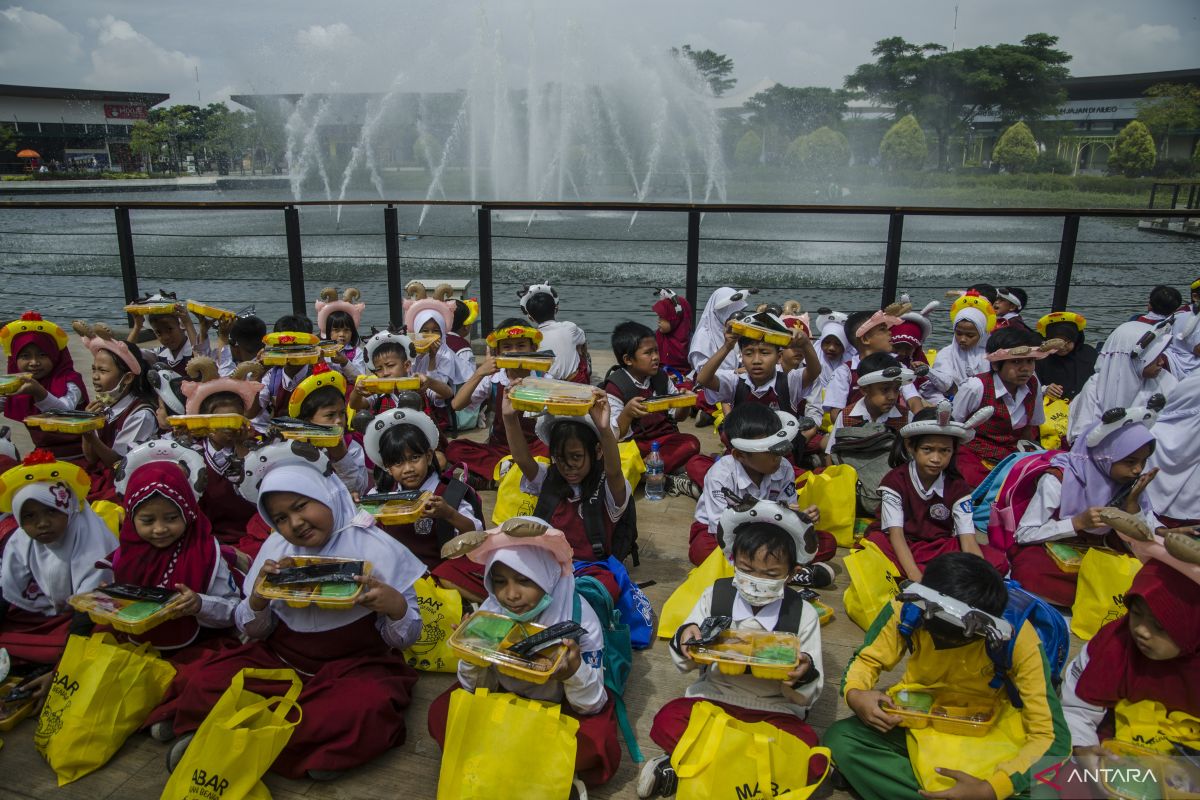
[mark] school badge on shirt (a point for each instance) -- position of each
(939, 512)
(423, 526)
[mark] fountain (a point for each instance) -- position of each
(594, 120)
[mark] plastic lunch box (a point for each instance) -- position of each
(951, 712)
(323, 595)
(209, 312)
(67, 422)
(663, 402)
(765, 334)
(10, 383)
(1064, 556)
(554, 397)
(766, 654)
(12, 713)
(481, 640)
(204, 424)
(374, 385)
(127, 616)
(400, 511)
(291, 355)
(148, 309)
(537, 362)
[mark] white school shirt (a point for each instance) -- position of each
(745, 690)
(562, 337)
(161, 355)
(430, 484)
(140, 426)
(837, 390)
(970, 397)
(1083, 719)
(891, 507)
(266, 398)
(1181, 352)
(728, 473)
(352, 468)
(68, 402)
(616, 405)
(1039, 523)
(728, 380)
(859, 410)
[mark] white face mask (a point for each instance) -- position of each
(758, 591)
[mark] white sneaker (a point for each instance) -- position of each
(657, 778)
(578, 790)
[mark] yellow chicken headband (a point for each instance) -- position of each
(31, 322)
(973, 299)
(40, 466)
(1055, 317)
(514, 332)
(321, 377)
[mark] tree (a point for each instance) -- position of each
(949, 89)
(1016, 151)
(714, 67)
(795, 110)
(824, 151)
(903, 146)
(796, 151)
(148, 140)
(1173, 106)
(749, 149)
(1133, 153)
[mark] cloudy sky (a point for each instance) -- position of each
(368, 45)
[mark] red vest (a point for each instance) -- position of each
(103, 487)
(227, 510)
(567, 517)
(496, 436)
(925, 520)
(996, 439)
(652, 426)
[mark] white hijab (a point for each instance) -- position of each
(447, 366)
(710, 332)
(954, 365)
(1175, 491)
(1117, 381)
(355, 535)
(63, 568)
(838, 331)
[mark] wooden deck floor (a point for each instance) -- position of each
(411, 770)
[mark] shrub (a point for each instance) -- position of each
(1016, 151)
(1048, 162)
(824, 151)
(749, 149)
(1133, 154)
(903, 146)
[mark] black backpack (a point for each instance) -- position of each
(624, 535)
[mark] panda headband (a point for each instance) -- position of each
(779, 443)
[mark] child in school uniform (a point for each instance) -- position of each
(869, 332)
(674, 330)
(582, 491)
(1172, 493)
(880, 381)
(490, 383)
(38, 347)
(1164, 301)
(166, 542)
(759, 378)
(338, 320)
(1105, 466)
(280, 381)
(229, 513)
(765, 547)
(562, 337)
(710, 333)
(321, 399)
(1064, 372)
(1010, 300)
(403, 445)
(972, 319)
(1011, 388)
(759, 438)
(1142, 666)
(52, 556)
(1183, 354)
(530, 579)
(238, 340)
(638, 375)
(9, 458)
(458, 338)
(1130, 369)
(392, 355)
(925, 507)
(872, 753)
(124, 395)
(178, 339)
(356, 682)
(440, 363)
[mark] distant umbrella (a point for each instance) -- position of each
(29, 154)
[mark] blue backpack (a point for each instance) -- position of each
(1051, 629)
(618, 652)
(985, 493)
(632, 604)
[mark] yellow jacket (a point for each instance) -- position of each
(969, 669)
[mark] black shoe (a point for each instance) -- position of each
(704, 419)
(657, 779)
(178, 748)
(814, 576)
(679, 484)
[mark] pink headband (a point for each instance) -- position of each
(99, 337)
(327, 307)
(197, 392)
(878, 318)
(430, 304)
(1048, 347)
(553, 541)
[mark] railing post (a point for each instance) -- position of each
(1153, 193)
(486, 321)
(891, 259)
(291, 225)
(391, 233)
(129, 281)
(692, 281)
(1066, 262)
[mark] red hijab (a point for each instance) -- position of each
(189, 561)
(673, 345)
(1116, 668)
(62, 373)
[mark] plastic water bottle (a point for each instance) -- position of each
(655, 478)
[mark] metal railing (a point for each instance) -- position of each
(693, 212)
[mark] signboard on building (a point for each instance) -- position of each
(1124, 108)
(124, 111)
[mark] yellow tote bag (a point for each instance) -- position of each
(510, 500)
(874, 582)
(1148, 724)
(684, 599)
(633, 467)
(102, 692)
(722, 757)
(979, 756)
(1055, 427)
(834, 492)
(1104, 578)
(502, 745)
(441, 611)
(238, 741)
(112, 514)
